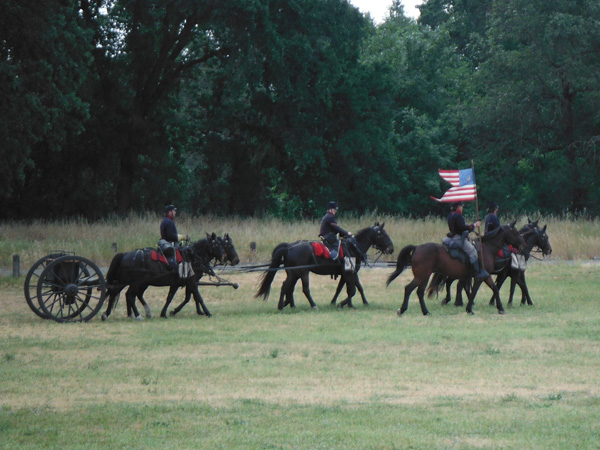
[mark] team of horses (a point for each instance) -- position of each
(432, 266)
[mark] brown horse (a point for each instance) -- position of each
(431, 257)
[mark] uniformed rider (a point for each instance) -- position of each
(169, 238)
(491, 220)
(459, 232)
(330, 229)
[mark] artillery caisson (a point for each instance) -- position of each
(65, 288)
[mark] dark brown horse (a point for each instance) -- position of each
(535, 237)
(431, 257)
(299, 260)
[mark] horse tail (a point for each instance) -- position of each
(436, 284)
(404, 260)
(112, 274)
(278, 257)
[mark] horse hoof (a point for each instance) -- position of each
(209, 315)
(471, 313)
(501, 311)
(399, 312)
(314, 308)
(139, 318)
(104, 317)
(171, 313)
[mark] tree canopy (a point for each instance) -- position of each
(276, 106)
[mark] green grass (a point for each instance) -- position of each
(252, 377)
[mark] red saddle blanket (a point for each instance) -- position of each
(321, 250)
(156, 256)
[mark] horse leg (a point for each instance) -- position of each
(186, 300)
(407, 291)
(306, 290)
(132, 311)
(458, 301)
(170, 295)
(500, 279)
(421, 295)
(338, 290)
(113, 299)
(525, 297)
(198, 298)
(448, 297)
(494, 288)
(361, 290)
(474, 290)
(144, 304)
(350, 290)
(287, 287)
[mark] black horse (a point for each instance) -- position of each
(432, 257)
(535, 237)
(142, 268)
(299, 260)
(231, 256)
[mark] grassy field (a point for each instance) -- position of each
(252, 377)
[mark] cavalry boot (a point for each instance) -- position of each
(479, 272)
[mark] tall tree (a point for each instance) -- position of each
(536, 112)
(43, 62)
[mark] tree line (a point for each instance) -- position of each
(274, 107)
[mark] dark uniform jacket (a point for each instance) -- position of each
(168, 230)
(330, 228)
(457, 225)
(491, 222)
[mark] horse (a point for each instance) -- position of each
(139, 269)
(432, 257)
(299, 259)
(231, 256)
(534, 237)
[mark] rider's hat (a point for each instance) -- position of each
(492, 206)
(170, 208)
(455, 205)
(332, 205)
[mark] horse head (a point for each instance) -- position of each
(382, 240)
(231, 254)
(216, 249)
(537, 237)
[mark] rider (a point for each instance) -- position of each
(491, 220)
(169, 238)
(459, 231)
(330, 229)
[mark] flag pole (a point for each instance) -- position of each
(480, 253)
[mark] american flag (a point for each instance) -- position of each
(463, 186)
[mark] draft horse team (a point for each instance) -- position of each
(139, 269)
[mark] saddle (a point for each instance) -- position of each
(455, 250)
(158, 255)
(321, 250)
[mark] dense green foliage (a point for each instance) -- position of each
(275, 107)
